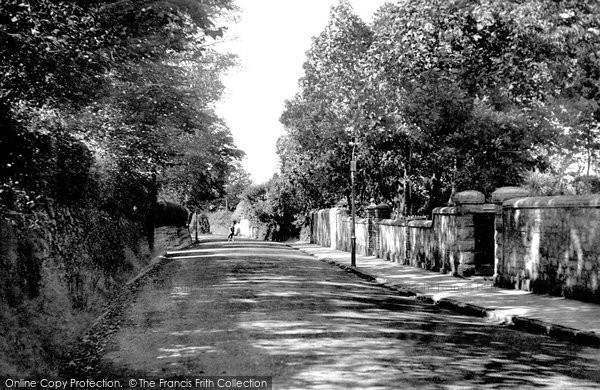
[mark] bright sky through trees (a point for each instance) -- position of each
(271, 40)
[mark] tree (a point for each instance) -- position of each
(201, 172)
(454, 77)
(447, 96)
(237, 182)
(315, 152)
(129, 83)
(276, 206)
(99, 99)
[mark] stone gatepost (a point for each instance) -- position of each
(375, 213)
(498, 197)
(467, 204)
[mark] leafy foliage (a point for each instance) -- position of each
(110, 101)
(315, 153)
(105, 105)
(238, 181)
(443, 96)
(273, 205)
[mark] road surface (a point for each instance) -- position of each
(263, 309)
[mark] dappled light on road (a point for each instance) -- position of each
(269, 310)
(184, 351)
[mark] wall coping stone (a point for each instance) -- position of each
(505, 193)
(340, 210)
(358, 220)
(488, 208)
(451, 210)
(550, 202)
(468, 197)
(423, 224)
(392, 222)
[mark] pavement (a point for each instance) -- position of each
(557, 317)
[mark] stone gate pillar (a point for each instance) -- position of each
(375, 213)
(467, 203)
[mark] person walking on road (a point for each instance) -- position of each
(231, 232)
(193, 226)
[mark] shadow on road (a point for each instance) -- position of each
(253, 308)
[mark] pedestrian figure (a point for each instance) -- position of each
(231, 232)
(193, 226)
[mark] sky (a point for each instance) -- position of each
(271, 40)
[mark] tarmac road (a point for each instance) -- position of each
(264, 309)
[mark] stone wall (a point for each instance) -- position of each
(446, 223)
(337, 237)
(446, 243)
(545, 244)
(551, 245)
(392, 240)
(343, 227)
(421, 243)
(320, 227)
(362, 236)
